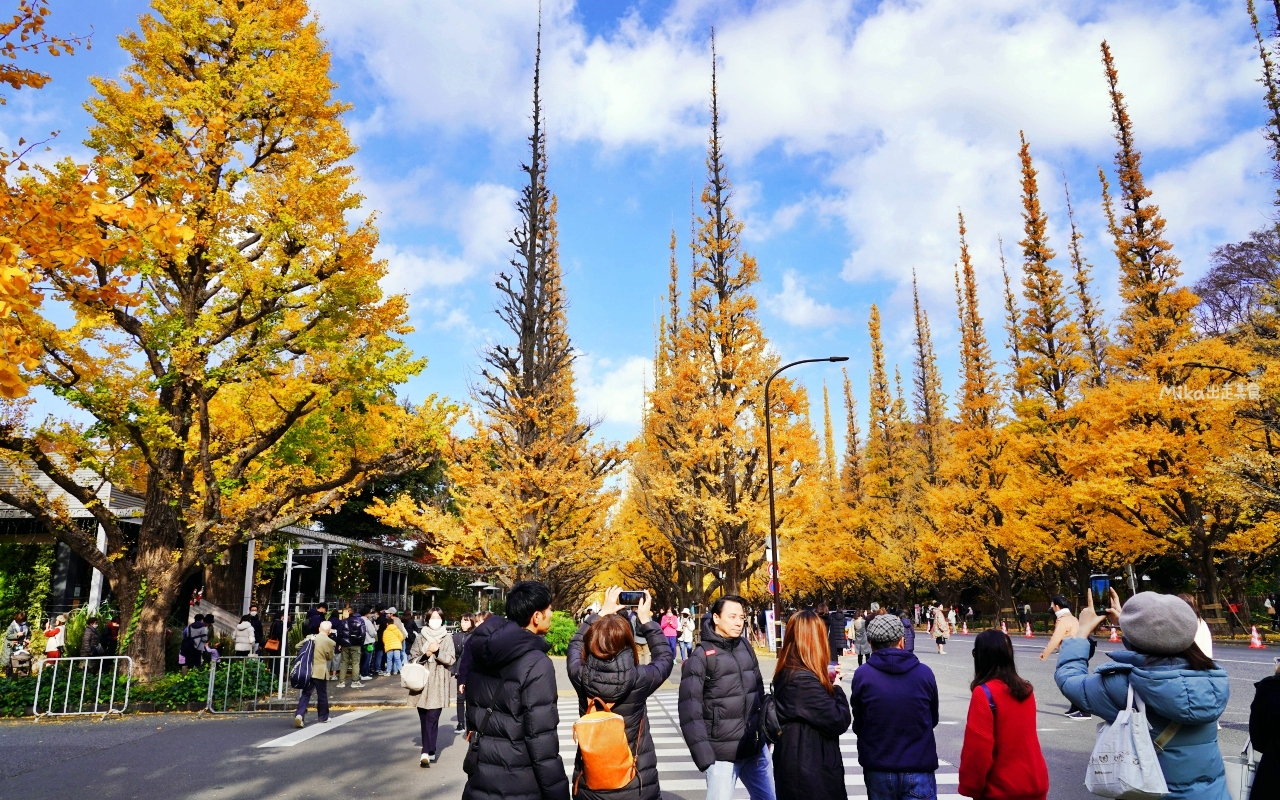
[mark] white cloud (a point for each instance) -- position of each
(482, 223)
(612, 390)
(795, 305)
(908, 110)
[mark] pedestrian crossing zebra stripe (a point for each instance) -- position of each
(679, 775)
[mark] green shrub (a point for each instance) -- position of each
(562, 629)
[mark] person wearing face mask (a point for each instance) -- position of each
(433, 649)
(258, 638)
(460, 644)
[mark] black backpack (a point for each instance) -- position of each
(342, 632)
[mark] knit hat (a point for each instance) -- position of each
(1158, 624)
(885, 629)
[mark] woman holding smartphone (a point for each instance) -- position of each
(603, 664)
(1184, 691)
(813, 712)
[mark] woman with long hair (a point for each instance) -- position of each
(813, 712)
(432, 649)
(1001, 758)
(1184, 691)
(603, 664)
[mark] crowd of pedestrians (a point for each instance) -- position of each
(782, 739)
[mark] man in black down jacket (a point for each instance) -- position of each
(511, 703)
(721, 695)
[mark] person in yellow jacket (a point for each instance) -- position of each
(393, 644)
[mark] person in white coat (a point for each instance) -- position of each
(244, 637)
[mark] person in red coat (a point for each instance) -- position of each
(1001, 758)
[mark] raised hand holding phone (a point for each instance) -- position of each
(644, 609)
(611, 604)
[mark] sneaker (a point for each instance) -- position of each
(1077, 715)
(425, 761)
(459, 729)
(357, 685)
(434, 757)
(366, 677)
(297, 721)
(342, 684)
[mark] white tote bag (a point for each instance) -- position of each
(413, 676)
(1123, 763)
(1240, 771)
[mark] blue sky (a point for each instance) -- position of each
(854, 132)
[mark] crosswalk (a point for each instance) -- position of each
(677, 773)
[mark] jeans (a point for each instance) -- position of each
(430, 721)
(900, 785)
(366, 655)
(756, 774)
(671, 640)
(349, 662)
(395, 660)
(321, 688)
(686, 650)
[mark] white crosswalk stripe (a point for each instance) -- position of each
(677, 772)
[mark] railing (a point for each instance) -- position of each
(249, 684)
(83, 685)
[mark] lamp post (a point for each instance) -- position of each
(479, 586)
(433, 590)
(773, 521)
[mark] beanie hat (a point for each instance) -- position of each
(885, 629)
(1158, 624)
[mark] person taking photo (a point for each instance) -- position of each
(603, 665)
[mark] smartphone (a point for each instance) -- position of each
(1101, 587)
(831, 671)
(630, 598)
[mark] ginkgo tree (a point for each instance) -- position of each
(239, 373)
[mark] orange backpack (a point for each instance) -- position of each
(607, 760)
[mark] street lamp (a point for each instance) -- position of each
(479, 586)
(773, 521)
(433, 590)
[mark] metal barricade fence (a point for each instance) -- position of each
(85, 685)
(250, 684)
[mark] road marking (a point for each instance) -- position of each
(316, 728)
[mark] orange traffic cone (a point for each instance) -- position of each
(1028, 635)
(966, 627)
(1115, 637)
(1255, 640)
(1004, 626)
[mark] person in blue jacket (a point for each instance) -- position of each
(1184, 691)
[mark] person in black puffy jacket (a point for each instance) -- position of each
(511, 703)
(721, 695)
(602, 664)
(813, 713)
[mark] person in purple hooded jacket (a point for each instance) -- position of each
(894, 699)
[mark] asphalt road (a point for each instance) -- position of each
(375, 754)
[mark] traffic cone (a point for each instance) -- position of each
(1028, 635)
(1115, 637)
(1255, 640)
(1004, 626)
(966, 627)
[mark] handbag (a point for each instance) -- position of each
(272, 644)
(472, 759)
(413, 676)
(1240, 771)
(770, 725)
(1123, 763)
